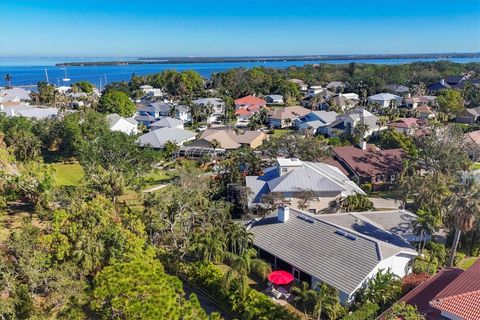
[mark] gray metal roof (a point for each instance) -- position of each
(319, 250)
(167, 122)
(157, 138)
(313, 176)
(205, 101)
(316, 249)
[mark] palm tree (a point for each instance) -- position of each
(325, 301)
(464, 204)
(425, 225)
(302, 296)
(241, 266)
(215, 144)
(238, 238)
(210, 245)
(360, 131)
(316, 100)
(437, 252)
(383, 289)
(8, 79)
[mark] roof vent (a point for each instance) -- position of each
(346, 235)
(305, 218)
(340, 232)
(351, 237)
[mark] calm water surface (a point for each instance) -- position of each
(28, 71)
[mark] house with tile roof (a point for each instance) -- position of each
(290, 177)
(285, 117)
(229, 139)
(250, 101)
(341, 250)
(336, 85)
(452, 294)
(407, 126)
(119, 123)
(370, 164)
(425, 112)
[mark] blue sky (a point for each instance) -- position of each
(233, 28)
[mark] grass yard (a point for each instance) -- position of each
(67, 174)
(467, 262)
(277, 133)
(156, 177)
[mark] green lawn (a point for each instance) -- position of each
(156, 177)
(467, 262)
(277, 133)
(67, 174)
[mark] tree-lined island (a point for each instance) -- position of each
(179, 60)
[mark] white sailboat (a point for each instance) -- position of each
(66, 79)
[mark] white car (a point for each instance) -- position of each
(202, 128)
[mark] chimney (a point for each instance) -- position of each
(442, 81)
(363, 145)
(1, 107)
(12, 112)
(283, 213)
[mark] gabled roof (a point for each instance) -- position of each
(405, 123)
(372, 161)
(29, 111)
(384, 97)
(340, 100)
(461, 298)
(157, 138)
(167, 122)
(288, 113)
(274, 96)
(14, 94)
(454, 80)
(473, 136)
(322, 249)
(398, 88)
(250, 101)
(335, 84)
(307, 176)
(422, 294)
(473, 111)
(322, 115)
(229, 139)
(206, 101)
(114, 118)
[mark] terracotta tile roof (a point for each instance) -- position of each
(421, 295)
(405, 123)
(424, 109)
(461, 297)
(250, 101)
(372, 161)
(289, 112)
(229, 139)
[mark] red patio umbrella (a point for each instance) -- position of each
(280, 277)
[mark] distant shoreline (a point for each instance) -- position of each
(180, 60)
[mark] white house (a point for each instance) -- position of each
(119, 123)
(151, 91)
(28, 111)
(14, 96)
(217, 105)
(274, 99)
(343, 250)
(385, 100)
(347, 123)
